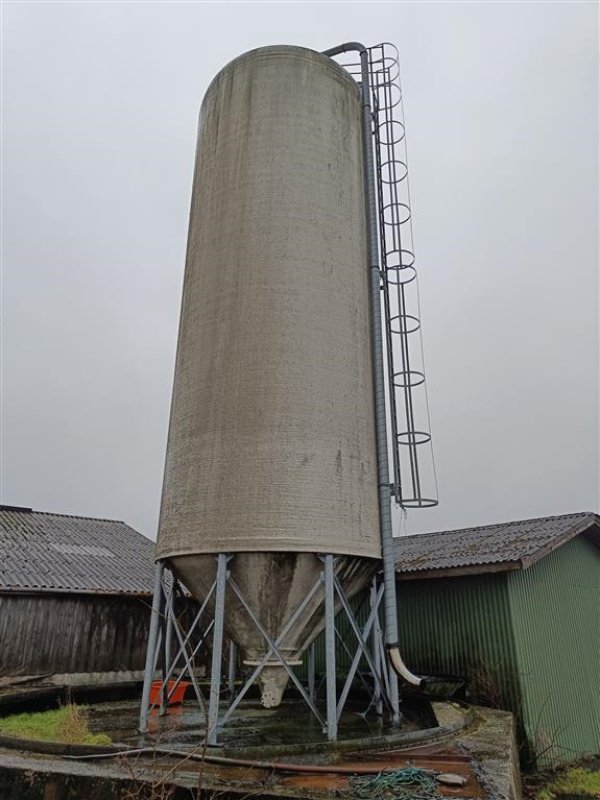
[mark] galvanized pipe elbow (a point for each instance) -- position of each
(400, 667)
(344, 48)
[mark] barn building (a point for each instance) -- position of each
(515, 608)
(75, 594)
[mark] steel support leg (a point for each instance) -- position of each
(330, 677)
(217, 653)
(232, 670)
(311, 672)
(151, 649)
(376, 648)
(170, 611)
(166, 647)
(162, 658)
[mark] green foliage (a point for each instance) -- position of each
(573, 781)
(97, 738)
(67, 725)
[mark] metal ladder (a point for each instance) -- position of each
(415, 484)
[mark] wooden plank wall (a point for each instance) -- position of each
(42, 633)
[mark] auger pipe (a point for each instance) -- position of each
(383, 471)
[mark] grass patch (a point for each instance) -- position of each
(67, 725)
(575, 781)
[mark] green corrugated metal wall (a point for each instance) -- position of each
(345, 642)
(461, 626)
(555, 611)
(528, 639)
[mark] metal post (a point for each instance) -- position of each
(163, 654)
(330, 677)
(375, 643)
(232, 670)
(215, 670)
(311, 672)
(385, 493)
(170, 611)
(151, 649)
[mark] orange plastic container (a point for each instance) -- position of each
(175, 697)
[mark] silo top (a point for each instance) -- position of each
(285, 51)
(271, 441)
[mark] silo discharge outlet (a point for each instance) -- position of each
(272, 680)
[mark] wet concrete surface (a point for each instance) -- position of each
(287, 734)
(251, 725)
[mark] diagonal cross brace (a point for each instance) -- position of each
(273, 650)
(357, 632)
(360, 651)
(183, 642)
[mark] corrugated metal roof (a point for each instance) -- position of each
(501, 547)
(56, 552)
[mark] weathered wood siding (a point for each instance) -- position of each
(56, 633)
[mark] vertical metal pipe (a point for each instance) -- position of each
(217, 653)
(385, 494)
(151, 649)
(330, 677)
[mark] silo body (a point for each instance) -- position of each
(271, 448)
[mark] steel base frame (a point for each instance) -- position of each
(174, 647)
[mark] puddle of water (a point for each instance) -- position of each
(251, 725)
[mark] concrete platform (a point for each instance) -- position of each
(473, 742)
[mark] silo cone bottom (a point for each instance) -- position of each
(273, 585)
(272, 679)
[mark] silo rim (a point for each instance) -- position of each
(283, 50)
(162, 553)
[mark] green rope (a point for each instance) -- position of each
(408, 783)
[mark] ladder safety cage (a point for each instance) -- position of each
(415, 481)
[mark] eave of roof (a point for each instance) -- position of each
(459, 572)
(50, 590)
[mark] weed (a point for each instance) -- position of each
(576, 781)
(67, 725)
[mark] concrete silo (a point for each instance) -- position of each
(271, 451)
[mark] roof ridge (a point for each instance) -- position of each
(59, 514)
(500, 524)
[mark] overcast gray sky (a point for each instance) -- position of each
(100, 104)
